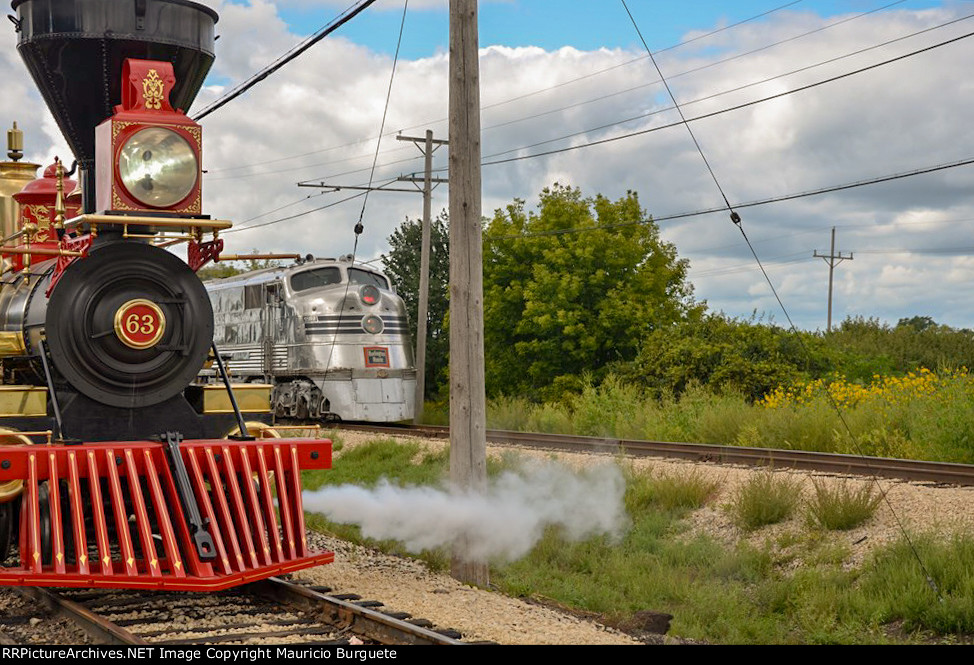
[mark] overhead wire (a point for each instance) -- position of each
(508, 101)
(607, 125)
(643, 116)
(746, 204)
(738, 222)
(359, 226)
(729, 109)
(294, 52)
(679, 110)
(489, 162)
(641, 58)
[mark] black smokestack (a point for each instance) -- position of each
(74, 50)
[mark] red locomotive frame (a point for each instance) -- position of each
(251, 540)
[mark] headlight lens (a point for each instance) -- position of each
(372, 324)
(369, 294)
(158, 167)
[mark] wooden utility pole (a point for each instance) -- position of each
(424, 269)
(833, 260)
(468, 435)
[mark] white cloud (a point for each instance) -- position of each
(319, 117)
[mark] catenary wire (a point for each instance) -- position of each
(750, 204)
(535, 92)
(293, 53)
(737, 221)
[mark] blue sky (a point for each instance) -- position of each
(318, 118)
(551, 24)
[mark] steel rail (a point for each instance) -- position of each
(918, 470)
(96, 626)
(361, 620)
(323, 609)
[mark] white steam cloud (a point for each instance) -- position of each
(503, 523)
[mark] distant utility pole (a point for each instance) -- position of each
(833, 260)
(468, 428)
(427, 146)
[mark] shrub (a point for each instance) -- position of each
(840, 505)
(766, 498)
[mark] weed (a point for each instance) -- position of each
(677, 490)
(897, 589)
(766, 498)
(841, 505)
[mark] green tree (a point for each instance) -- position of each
(402, 264)
(725, 354)
(572, 288)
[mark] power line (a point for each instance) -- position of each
(649, 114)
(704, 116)
(290, 55)
(734, 216)
(925, 250)
(748, 204)
(611, 124)
(541, 90)
(731, 108)
(784, 259)
(659, 111)
(607, 125)
(701, 68)
(382, 126)
(290, 217)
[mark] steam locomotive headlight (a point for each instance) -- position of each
(158, 167)
(369, 295)
(372, 324)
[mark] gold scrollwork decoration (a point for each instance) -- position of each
(152, 90)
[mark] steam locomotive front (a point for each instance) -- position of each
(153, 490)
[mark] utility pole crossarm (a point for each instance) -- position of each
(422, 139)
(412, 178)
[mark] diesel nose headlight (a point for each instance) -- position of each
(158, 167)
(372, 324)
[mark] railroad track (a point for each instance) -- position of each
(936, 472)
(274, 609)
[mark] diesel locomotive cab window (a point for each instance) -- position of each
(312, 279)
(252, 296)
(357, 276)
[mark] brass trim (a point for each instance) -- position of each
(248, 257)
(257, 429)
(120, 326)
(12, 344)
(251, 398)
(41, 251)
(21, 401)
(155, 222)
(11, 489)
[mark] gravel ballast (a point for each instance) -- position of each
(407, 585)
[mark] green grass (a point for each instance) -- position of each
(841, 505)
(933, 426)
(765, 498)
(794, 589)
(897, 589)
(672, 491)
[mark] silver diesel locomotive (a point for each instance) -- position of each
(330, 335)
